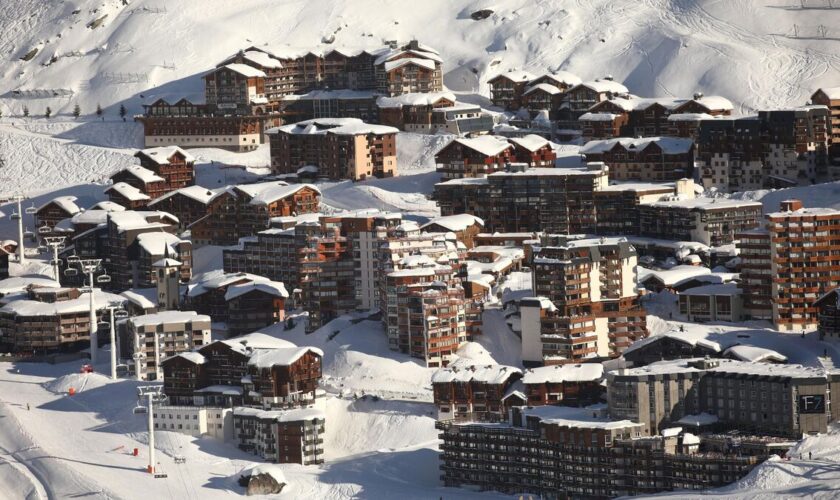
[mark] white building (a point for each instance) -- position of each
(167, 333)
(196, 421)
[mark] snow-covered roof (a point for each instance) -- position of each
(603, 86)
(416, 61)
(162, 154)
(658, 187)
(72, 306)
(168, 317)
(191, 356)
(270, 192)
(690, 439)
(515, 76)
(466, 370)
(242, 69)
(714, 103)
(16, 284)
(265, 286)
(107, 206)
(597, 117)
(128, 192)
(66, 203)
(159, 242)
(259, 58)
(414, 99)
(457, 222)
(488, 145)
(282, 356)
(674, 276)
(689, 117)
(545, 87)
(580, 418)
(256, 340)
(714, 289)
(806, 212)
(144, 298)
(167, 262)
(137, 219)
(691, 338)
(197, 193)
(296, 415)
(754, 354)
(555, 374)
(143, 174)
(669, 145)
(343, 126)
(727, 366)
(635, 103)
(425, 53)
(561, 77)
(705, 203)
(217, 279)
(531, 142)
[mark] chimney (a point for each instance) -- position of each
(609, 78)
(698, 95)
(791, 205)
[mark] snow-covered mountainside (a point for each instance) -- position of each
(759, 53)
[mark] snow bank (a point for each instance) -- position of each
(79, 382)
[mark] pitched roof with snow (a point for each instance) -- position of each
(603, 86)
(197, 193)
(217, 279)
(414, 99)
(597, 117)
(282, 356)
(269, 287)
(561, 77)
(669, 145)
(544, 87)
(128, 192)
(555, 374)
(414, 61)
(488, 145)
(145, 175)
(261, 59)
(269, 192)
(464, 370)
(242, 69)
(159, 243)
(108, 206)
(515, 76)
(457, 222)
(73, 306)
(754, 354)
(714, 103)
(162, 154)
(531, 142)
(832, 93)
(66, 203)
(674, 276)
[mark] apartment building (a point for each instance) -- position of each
(464, 391)
(803, 263)
(586, 302)
(340, 148)
(711, 221)
(286, 437)
(765, 398)
(556, 200)
(246, 209)
(254, 370)
(235, 88)
(618, 204)
(187, 204)
(578, 384)
(829, 314)
(54, 211)
(174, 165)
(431, 113)
(648, 159)
(160, 335)
(43, 323)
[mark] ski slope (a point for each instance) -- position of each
(108, 53)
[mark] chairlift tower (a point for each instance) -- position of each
(56, 243)
(116, 311)
(89, 267)
(154, 395)
(18, 216)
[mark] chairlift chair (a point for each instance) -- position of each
(31, 210)
(40, 249)
(55, 262)
(71, 272)
(15, 216)
(44, 230)
(103, 324)
(28, 234)
(120, 314)
(103, 279)
(139, 409)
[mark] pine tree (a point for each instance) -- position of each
(76, 111)
(48, 112)
(25, 110)
(123, 112)
(98, 110)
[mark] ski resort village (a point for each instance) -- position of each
(449, 250)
